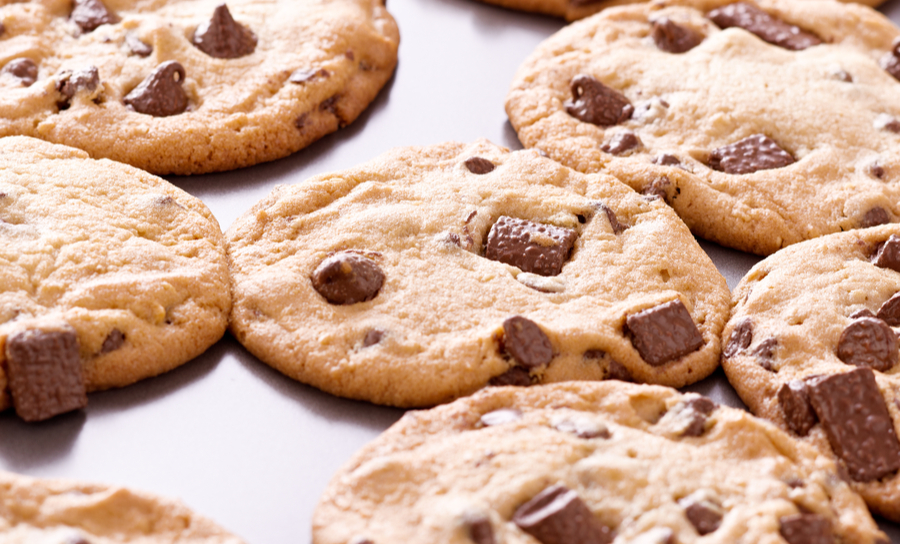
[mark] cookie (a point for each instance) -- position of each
(65, 512)
(108, 275)
(430, 272)
(589, 462)
(810, 346)
(178, 87)
(759, 137)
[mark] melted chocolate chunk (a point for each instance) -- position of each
(657, 189)
(890, 311)
(698, 409)
(766, 27)
(557, 515)
(594, 102)
(114, 340)
(740, 339)
(806, 529)
(516, 376)
(480, 529)
(765, 352)
(671, 37)
(479, 165)
(533, 247)
(45, 375)
(347, 278)
(160, 94)
(870, 342)
(891, 61)
(874, 217)
(501, 416)
(373, 337)
(71, 83)
(89, 14)
(856, 422)
(526, 342)
(865, 312)
(617, 227)
(224, 38)
(888, 254)
(23, 69)
(793, 398)
(663, 333)
(137, 46)
(617, 371)
(705, 516)
(749, 155)
(666, 160)
(303, 76)
(621, 143)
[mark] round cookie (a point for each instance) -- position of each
(757, 139)
(49, 511)
(108, 275)
(428, 272)
(178, 87)
(589, 462)
(810, 347)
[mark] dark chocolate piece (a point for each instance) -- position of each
(874, 217)
(864, 312)
(806, 529)
(754, 153)
(303, 76)
(793, 398)
(890, 311)
(71, 83)
(501, 416)
(594, 102)
(699, 409)
(617, 227)
(373, 337)
(704, 515)
(740, 339)
(526, 342)
(137, 46)
(23, 69)
(516, 376)
(671, 37)
(479, 165)
(888, 255)
(480, 529)
(765, 353)
(621, 143)
(665, 159)
(876, 170)
(347, 278)
(617, 371)
(891, 61)
(533, 247)
(657, 188)
(89, 14)
(224, 38)
(663, 333)
(113, 341)
(557, 515)
(870, 342)
(160, 94)
(766, 27)
(2, 29)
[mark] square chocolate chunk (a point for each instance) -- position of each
(664, 333)
(533, 247)
(45, 376)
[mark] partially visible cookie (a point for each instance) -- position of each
(762, 124)
(186, 87)
(46, 511)
(812, 345)
(592, 463)
(108, 275)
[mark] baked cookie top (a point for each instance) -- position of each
(424, 274)
(589, 462)
(107, 275)
(811, 347)
(65, 512)
(758, 138)
(185, 87)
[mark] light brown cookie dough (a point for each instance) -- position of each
(108, 275)
(756, 146)
(811, 326)
(428, 272)
(46, 511)
(589, 462)
(178, 87)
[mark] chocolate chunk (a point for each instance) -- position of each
(870, 342)
(533, 247)
(887, 255)
(617, 227)
(674, 38)
(23, 69)
(347, 278)
(874, 217)
(137, 46)
(657, 189)
(665, 159)
(891, 61)
(890, 311)
(516, 376)
(766, 27)
(113, 341)
(793, 399)
(373, 337)
(617, 371)
(160, 94)
(704, 515)
(581, 426)
(856, 422)
(71, 83)
(765, 352)
(621, 143)
(526, 342)
(749, 155)
(865, 312)
(478, 165)
(594, 102)
(45, 374)
(698, 410)
(806, 529)
(89, 14)
(223, 38)
(303, 76)
(2, 29)
(740, 339)
(557, 515)
(501, 416)
(480, 529)
(663, 333)
(876, 170)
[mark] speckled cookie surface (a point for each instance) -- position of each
(609, 284)
(189, 87)
(589, 462)
(821, 309)
(44, 511)
(756, 143)
(107, 275)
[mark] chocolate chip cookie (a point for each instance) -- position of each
(180, 87)
(589, 462)
(108, 275)
(762, 124)
(812, 345)
(431, 272)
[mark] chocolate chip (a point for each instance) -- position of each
(865, 312)
(137, 46)
(806, 529)
(23, 69)
(890, 311)
(303, 76)
(113, 341)
(45, 374)
(765, 352)
(842, 75)
(887, 122)
(2, 29)
(160, 94)
(501, 417)
(870, 342)
(581, 426)
(887, 255)
(71, 83)
(594, 102)
(222, 37)
(89, 14)
(526, 342)
(301, 120)
(671, 37)
(749, 155)
(621, 143)
(557, 515)
(856, 422)
(793, 398)
(874, 217)
(704, 515)
(373, 337)
(516, 376)
(665, 159)
(876, 170)
(478, 165)
(480, 529)
(766, 27)
(329, 105)
(891, 61)
(617, 371)
(740, 339)
(533, 247)
(347, 278)
(658, 188)
(617, 227)
(663, 333)
(697, 409)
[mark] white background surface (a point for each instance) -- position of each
(236, 440)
